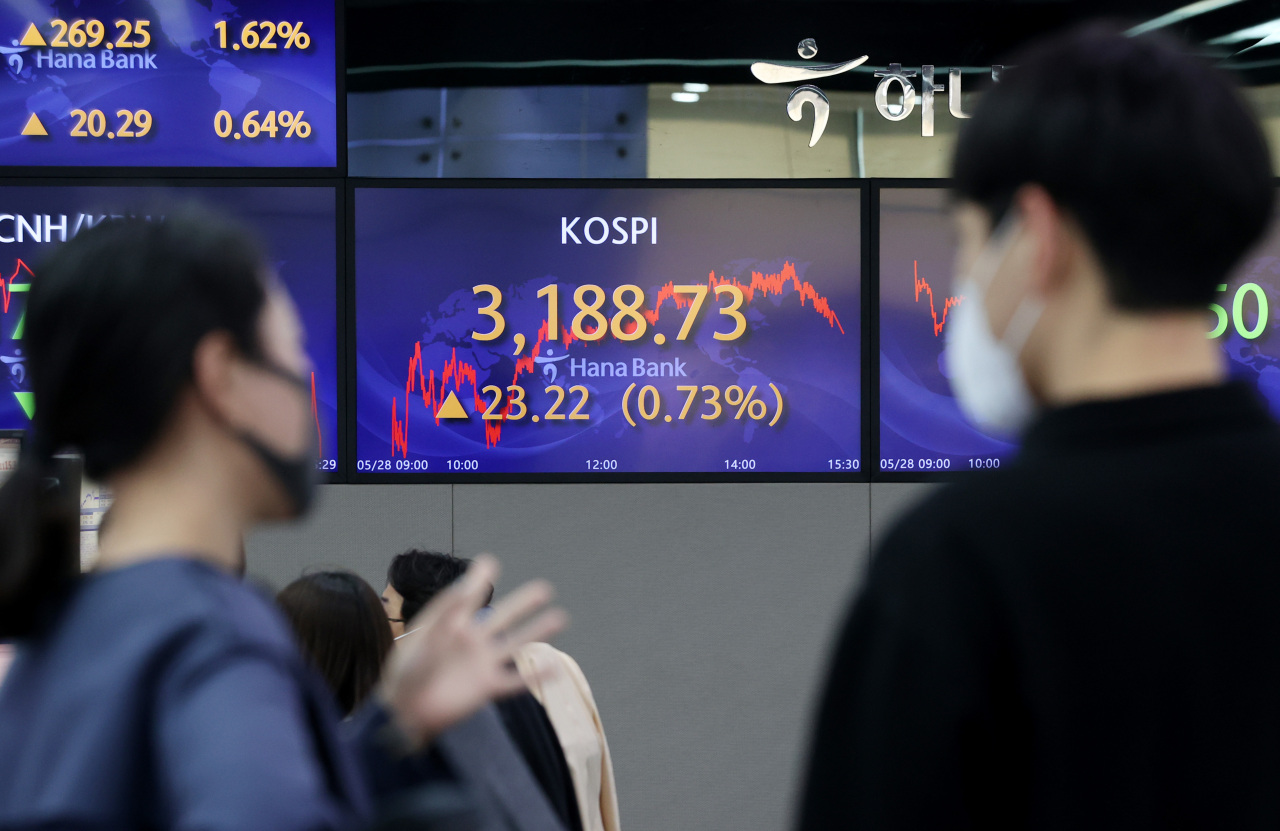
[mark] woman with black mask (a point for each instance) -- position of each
(159, 691)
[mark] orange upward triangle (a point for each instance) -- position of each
(34, 127)
(451, 408)
(32, 37)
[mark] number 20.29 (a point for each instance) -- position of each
(133, 124)
(516, 408)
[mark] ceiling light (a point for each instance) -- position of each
(685, 97)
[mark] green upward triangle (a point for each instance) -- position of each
(28, 402)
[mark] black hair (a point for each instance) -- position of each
(1151, 150)
(420, 575)
(342, 629)
(112, 321)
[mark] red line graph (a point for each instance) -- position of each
(315, 413)
(766, 284)
(457, 372)
(5, 284)
(923, 285)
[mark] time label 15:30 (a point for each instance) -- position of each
(629, 322)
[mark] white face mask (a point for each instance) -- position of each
(989, 385)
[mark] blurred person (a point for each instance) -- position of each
(159, 691)
(414, 578)
(1087, 637)
(342, 630)
(560, 686)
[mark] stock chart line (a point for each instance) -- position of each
(458, 371)
(923, 285)
(432, 398)
(6, 285)
(765, 284)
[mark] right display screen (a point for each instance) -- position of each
(921, 427)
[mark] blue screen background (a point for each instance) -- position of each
(297, 224)
(420, 251)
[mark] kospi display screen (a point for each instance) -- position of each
(1243, 319)
(178, 83)
(297, 224)
(605, 330)
(921, 427)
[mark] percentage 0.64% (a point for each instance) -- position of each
(255, 123)
(262, 34)
(647, 403)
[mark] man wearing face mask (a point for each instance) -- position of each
(1090, 636)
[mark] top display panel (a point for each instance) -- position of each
(179, 83)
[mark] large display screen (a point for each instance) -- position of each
(607, 330)
(921, 427)
(179, 83)
(298, 225)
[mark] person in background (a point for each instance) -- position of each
(159, 691)
(1088, 637)
(560, 686)
(414, 578)
(555, 680)
(342, 630)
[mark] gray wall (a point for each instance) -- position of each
(702, 614)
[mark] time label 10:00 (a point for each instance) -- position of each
(629, 322)
(642, 403)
